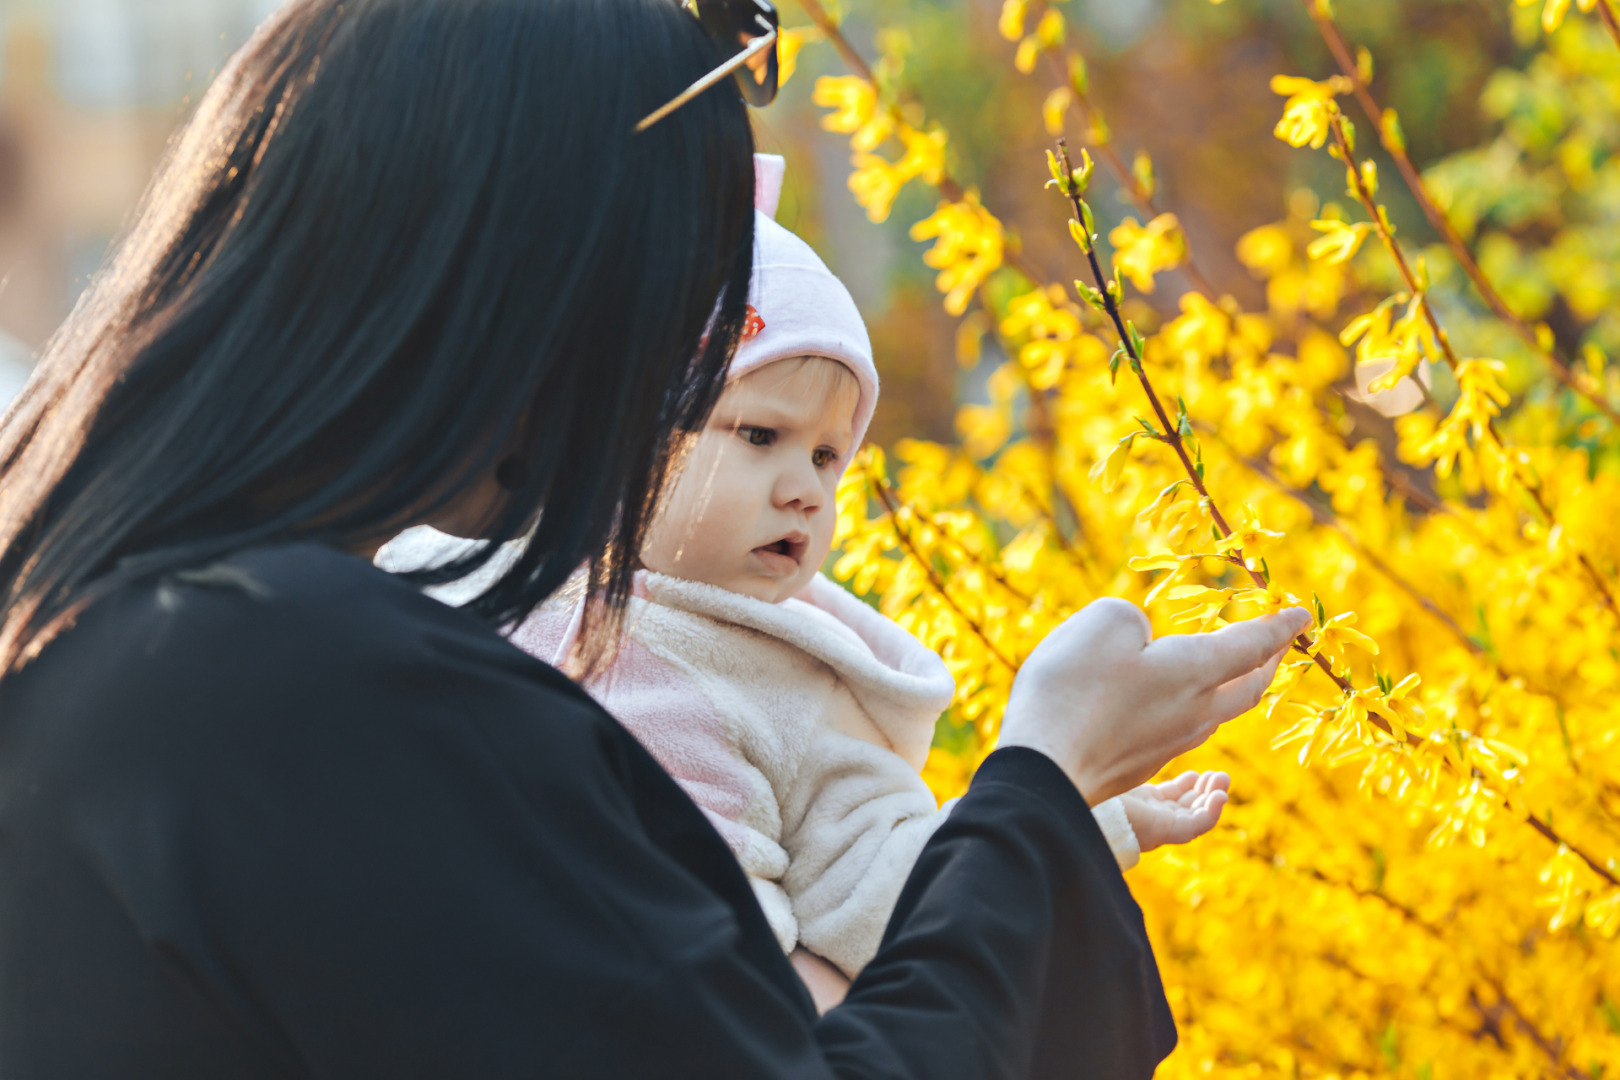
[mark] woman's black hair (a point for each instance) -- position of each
(400, 242)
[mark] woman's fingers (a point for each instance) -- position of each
(1224, 655)
(1239, 695)
(1118, 622)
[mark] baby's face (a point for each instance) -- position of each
(753, 509)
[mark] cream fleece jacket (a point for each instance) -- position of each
(799, 728)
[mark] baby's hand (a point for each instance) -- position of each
(1175, 811)
(827, 985)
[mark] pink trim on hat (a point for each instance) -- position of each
(803, 309)
(769, 169)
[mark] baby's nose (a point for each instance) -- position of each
(800, 486)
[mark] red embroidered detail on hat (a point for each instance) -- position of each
(752, 325)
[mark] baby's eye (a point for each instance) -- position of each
(757, 436)
(823, 457)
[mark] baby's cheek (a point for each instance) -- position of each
(821, 534)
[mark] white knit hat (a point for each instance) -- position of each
(799, 307)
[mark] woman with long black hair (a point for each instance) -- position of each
(267, 811)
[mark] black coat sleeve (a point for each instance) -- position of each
(347, 833)
(1015, 951)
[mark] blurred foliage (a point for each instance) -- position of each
(1319, 352)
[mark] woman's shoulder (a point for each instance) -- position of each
(278, 642)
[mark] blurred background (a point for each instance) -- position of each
(91, 90)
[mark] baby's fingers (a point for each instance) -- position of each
(1178, 789)
(1203, 817)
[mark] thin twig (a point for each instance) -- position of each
(1124, 176)
(890, 498)
(1558, 365)
(1170, 435)
(904, 537)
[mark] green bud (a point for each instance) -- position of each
(1089, 295)
(1142, 169)
(1079, 77)
(1056, 170)
(1364, 65)
(1394, 137)
(1078, 233)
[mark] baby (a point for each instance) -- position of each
(796, 716)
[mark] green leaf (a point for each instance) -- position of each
(1137, 343)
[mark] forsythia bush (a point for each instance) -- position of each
(1419, 875)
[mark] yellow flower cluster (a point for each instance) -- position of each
(967, 248)
(1140, 251)
(1419, 875)
(1553, 11)
(859, 112)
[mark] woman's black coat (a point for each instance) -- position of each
(287, 817)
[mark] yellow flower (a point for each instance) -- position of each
(1353, 478)
(1051, 28)
(1248, 534)
(947, 774)
(1309, 107)
(1267, 249)
(1340, 242)
(984, 428)
(1028, 51)
(1011, 23)
(1333, 636)
(1055, 108)
(788, 44)
(875, 183)
(1201, 331)
(924, 155)
(852, 99)
(1482, 397)
(856, 112)
(967, 248)
(1140, 251)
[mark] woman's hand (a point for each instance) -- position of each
(1111, 706)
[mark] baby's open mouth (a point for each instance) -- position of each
(790, 547)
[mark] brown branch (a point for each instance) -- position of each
(1552, 1049)
(1172, 436)
(1530, 483)
(825, 23)
(1552, 836)
(1328, 519)
(1610, 23)
(933, 578)
(890, 497)
(1558, 365)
